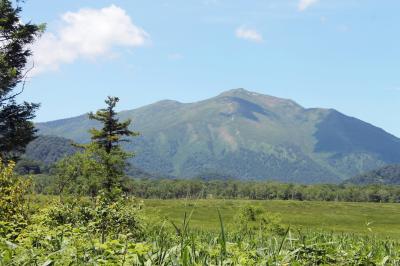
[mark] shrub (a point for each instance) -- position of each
(251, 219)
(13, 205)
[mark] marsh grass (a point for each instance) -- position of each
(239, 233)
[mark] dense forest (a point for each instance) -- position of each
(387, 175)
(49, 149)
(152, 188)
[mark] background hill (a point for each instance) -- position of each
(44, 151)
(249, 136)
(49, 149)
(387, 175)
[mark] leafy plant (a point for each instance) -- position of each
(13, 204)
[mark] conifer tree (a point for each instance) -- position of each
(106, 143)
(113, 131)
(16, 129)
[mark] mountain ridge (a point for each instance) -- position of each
(247, 135)
(387, 175)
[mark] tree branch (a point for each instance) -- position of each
(24, 78)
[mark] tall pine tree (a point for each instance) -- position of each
(113, 131)
(16, 128)
(106, 142)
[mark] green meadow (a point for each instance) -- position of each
(382, 220)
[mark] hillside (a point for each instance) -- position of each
(249, 136)
(387, 175)
(46, 150)
(49, 149)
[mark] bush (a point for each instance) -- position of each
(13, 207)
(250, 219)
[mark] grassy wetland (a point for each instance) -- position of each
(377, 219)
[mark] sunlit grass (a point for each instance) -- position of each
(377, 219)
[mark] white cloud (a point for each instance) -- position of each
(88, 33)
(304, 4)
(249, 34)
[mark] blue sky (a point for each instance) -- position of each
(342, 54)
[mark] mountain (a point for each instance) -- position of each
(249, 136)
(45, 150)
(49, 149)
(42, 152)
(387, 175)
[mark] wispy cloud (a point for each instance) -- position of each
(249, 34)
(304, 4)
(87, 33)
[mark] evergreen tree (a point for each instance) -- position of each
(16, 129)
(113, 131)
(106, 143)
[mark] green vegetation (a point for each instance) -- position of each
(92, 216)
(359, 218)
(100, 166)
(49, 149)
(224, 189)
(235, 233)
(95, 221)
(247, 135)
(16, 39)
(388, 175)
(42, 153)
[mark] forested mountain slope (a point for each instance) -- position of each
(249, 136)
(387, 175)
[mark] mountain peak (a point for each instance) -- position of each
(248, 135)
(238, 92)
(262, 99)
(168, 102)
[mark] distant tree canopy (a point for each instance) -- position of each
(16, 129)
(152, 188)
(387, 175)
(49, 149)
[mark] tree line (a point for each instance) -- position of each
(150, 188)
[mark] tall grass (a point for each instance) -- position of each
(171, 243)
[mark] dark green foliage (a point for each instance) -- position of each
(25, 167)
(16, 130)
(135, 172)
(388, 175)
(99, 166)
(113, 131)
(234, 189)
(225, 189)
(44, 151)
(105, 146)
(49, 149)
(247, 135)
